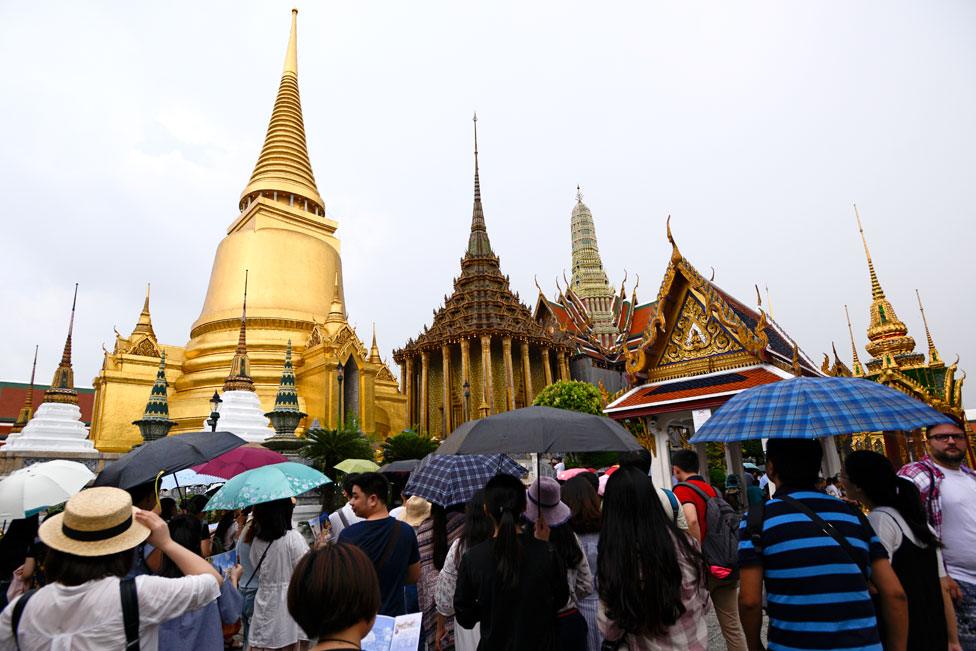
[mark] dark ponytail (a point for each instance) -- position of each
(873, 474)
(438, 515)
(505, 501)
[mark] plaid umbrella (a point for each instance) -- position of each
(453, 479)
(810, 408)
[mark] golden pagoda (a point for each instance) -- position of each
(895, 363)
(284, 238)
(463, 365)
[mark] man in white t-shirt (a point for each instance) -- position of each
(948, 489)
(343, 517)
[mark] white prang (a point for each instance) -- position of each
(55, 427)
(241, 414)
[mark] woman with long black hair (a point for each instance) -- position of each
(513, 585)
(898, 518)
(581, 497)
(650, 575)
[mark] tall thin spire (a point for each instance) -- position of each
(337, 312)
(283, 172)
(63, 384)
(876, 291)
(934, 357)
(856, 367)
(155, 422)
(478, 243)
(374, 350)
(239, 378)
(27, 410)
(144, 324)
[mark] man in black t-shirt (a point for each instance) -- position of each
(389, 543)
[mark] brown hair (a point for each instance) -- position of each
(333, 588)
(581, 498)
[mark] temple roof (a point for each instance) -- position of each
(482, 302)
(283, 165)
(14, 394)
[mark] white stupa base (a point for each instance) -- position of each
(241, 414)
(55, 427)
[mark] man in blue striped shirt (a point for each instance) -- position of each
(817, 591)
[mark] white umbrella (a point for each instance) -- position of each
(188, 477)
(41, 485)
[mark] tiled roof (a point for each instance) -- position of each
(695, 388)
(12, 395)
(642, 316)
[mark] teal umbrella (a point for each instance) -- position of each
(265, 484)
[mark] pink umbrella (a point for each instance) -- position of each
(230, 464)
(566, 475)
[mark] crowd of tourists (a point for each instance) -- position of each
(587, 564)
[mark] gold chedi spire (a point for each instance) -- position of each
(144, 324)
(887, 335)
(63, 384)
(239, 378)
(283, 171)
(374, 350)
(478, 243)
(856, 368)
(27, 410)
(337, 313)
(934, 357)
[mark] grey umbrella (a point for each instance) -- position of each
(540, 430)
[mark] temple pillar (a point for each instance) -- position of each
(563, 369)
(733, 466)
(488, 392)
(466, 377)
(547, 365)
(424, 368)
(831, 464)
(527, 373)
(509, 374)
(702, 453)
(408, 389)
(661, 455)
(446, 366)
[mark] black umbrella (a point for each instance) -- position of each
(403, 466)
(540, 430)
(163, 456)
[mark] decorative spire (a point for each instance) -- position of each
(675, 253)
(934, 357)
(28, 409)
(283, 171)
(63, 384)
(287, 397)
(887, 335)
(144, 325)
(858, 370)
(239, 378)
(286, 414)
(155, 422)
(579, 194)
(374, 350)
(478, 243)
(337, 313)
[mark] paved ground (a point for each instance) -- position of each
(715, 641)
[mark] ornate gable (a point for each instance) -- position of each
(695, 335)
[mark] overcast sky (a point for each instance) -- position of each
(130, 129)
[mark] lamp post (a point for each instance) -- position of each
(214, 413)
(340, 372)
(467, 398)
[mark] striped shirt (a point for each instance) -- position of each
(817, 597)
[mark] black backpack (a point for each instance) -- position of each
(720, 547)
(130, 613)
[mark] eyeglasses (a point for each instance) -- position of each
(942, 438)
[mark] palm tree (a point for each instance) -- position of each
(407, 445)
(327, 447)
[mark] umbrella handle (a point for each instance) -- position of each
(156, 485)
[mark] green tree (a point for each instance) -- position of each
(573, 395)
(327, 447)
(407, 445)
(583, 397)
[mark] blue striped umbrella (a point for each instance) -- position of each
(454, 478)
(810, 408)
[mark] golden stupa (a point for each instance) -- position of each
(286, 244)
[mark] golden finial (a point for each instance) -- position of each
(855, 362)
(477, 176)
(711, 277)
(675, 253)
(27, 410)
(876, 291)
(579, 194)
(758, 297)
(144, 324)
(291, 54)
(769, 302)
(535, 279)
(934, 357)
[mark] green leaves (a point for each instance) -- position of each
(407, 445)
(327, 447)
(572, 395)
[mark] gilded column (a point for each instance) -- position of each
(446, 365)
(408, 389)
(527, 373)
(561, 362)
(547, 365)
(424, 368)
(488, 391)
(509, 374)
(466, 376)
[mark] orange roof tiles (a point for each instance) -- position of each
(696, 388)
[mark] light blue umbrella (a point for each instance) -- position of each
(188, 477)
(265, 484)
(812, 408)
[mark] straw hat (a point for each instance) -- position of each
(95, 522)
(543, 495)
(415, 510)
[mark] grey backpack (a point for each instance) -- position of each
(720, 547)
